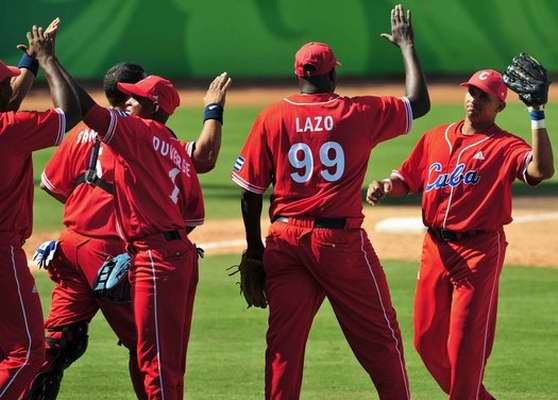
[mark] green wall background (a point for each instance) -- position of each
(257, 38)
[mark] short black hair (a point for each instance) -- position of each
(123, 72)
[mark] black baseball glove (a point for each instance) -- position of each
(252, 281)
(112, 279)
(528, 78)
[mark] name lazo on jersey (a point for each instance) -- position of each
(317, 123)
(452, 179)
(168, 150)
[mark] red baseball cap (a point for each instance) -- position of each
(317, 54)
(489, 81)
(7, 71)
(156, 89)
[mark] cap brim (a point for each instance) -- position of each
(480, 87)
(131, 89)
(13, 71)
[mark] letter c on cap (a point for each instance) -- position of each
(484, 75)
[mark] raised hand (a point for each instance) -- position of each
(377, 190)
(401, 28)
(218, 90)
(40, 46)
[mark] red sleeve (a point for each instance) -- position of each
(387, 117)
(193, 209)
(253, 168)
(66, 164)
(120, 131)
(30, 131)
(414, 168)
(519, 155)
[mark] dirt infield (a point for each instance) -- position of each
(531, 243)
(261, 96)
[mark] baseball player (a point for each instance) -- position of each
(157, 196)
(21, 133)
(465, 171)
(314, 148)
(90, 236)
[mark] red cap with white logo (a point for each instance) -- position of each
(489, 81)
(156, 89)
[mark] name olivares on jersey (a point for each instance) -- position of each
(452, 179)
(168, 150)
(318, 123)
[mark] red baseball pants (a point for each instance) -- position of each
(22, 345)
(305, 264)
(455, 311)
(164, 277)
(74, 271)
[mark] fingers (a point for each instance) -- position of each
(409, 17)
(227, 84)
(398, 14)
(22, 47)
(387, 36)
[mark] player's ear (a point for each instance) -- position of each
(501, 106)
(155, 107)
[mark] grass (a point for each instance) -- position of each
(225, 359)
(222, 195)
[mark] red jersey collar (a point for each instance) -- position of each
(494, 129)
(312, 98)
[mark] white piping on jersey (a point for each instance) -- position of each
(408, 114)
(246, 185)
(156, 316)
(61, 125)
(311, 104)
(447, 138)
(27, 331)
(494, 283)
(457, 163)
(112, 126)
(47, 183)
(397, 174)
(379, 294)
(528, 158)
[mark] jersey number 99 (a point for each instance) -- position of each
(331, 156)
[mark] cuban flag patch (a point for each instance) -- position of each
(238, 164)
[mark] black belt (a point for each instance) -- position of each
(172, 235)
(328, 223)
(453, 236)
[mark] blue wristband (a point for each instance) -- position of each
(213, 111)
(29, 63)
(536, 115)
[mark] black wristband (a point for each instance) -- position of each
(29, 63)
(213, 111)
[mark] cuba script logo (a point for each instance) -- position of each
(453, 179)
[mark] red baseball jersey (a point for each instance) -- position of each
(156, 186)
(314, 149)
(21, 133)
(466, 180)
(88, 210)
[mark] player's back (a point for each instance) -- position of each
(21, 133)
(157, 185)
(317, 147)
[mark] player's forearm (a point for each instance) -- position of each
(86, 102)
(207, 146)
(21, 85)
(63, 95)
(251, 204)
(398, 187)
(415, 82)
(542, 165)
